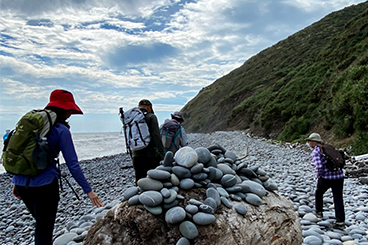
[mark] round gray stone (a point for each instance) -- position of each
(175, 180)
(131, 191)
(231, 155)
(212, 162)
(188, 230)
(169, 159)
(226, 202)
(65, 238)
(158, 174)
(214, 194)
(197, 168)
(192, 209)
(201, 218)
(148, 184)
(186, 184)
(151, 198)
(186, 157)
(225, 169)
(134, 200)
(241, 209)
(253, 199)
(175, 215)
(254, 187)
(183, 241)
(204, 154)
(312, 240)
(228, 180)
(181, 172)
(171, 197)
(157, 210)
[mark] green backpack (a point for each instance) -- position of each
(26, 151)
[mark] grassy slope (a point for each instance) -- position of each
(315, 80)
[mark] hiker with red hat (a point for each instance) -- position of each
(40, 193)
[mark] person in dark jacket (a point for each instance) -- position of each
(173, 134)
(150, 156)
(40, 193)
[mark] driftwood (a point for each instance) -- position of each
(273, 223)
(241, 158)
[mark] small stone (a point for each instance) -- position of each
(149, 184)
(201, 218)
(168, 159)
(151, 198)
(181, 172)
(311, 217)
(228, 180)
(231, 155)
(175, 180)
(165, 192)
(172, 197)
(253, 199)
(134, 200)
(183, 241)
(253, 187)
(225, 169)
(204, 154)
(197, 168)
(65, 238)
(213, 193)
(175, 215)
(131, 191)
(241, 209)
(188, 230)
(154, 210)
(186, 184)
(192, 209)
(158, 174)
(313, 240)
(226, 202)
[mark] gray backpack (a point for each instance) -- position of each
(171, 135)
(136, 130)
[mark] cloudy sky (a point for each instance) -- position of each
(111, 53)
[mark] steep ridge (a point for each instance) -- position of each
(315, 80)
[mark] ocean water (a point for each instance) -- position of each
(92, 145)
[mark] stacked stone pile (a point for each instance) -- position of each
(220, 172)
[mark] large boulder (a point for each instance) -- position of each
(273, 222)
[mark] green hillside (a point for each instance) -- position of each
(314, 81)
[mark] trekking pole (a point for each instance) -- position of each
(63, 175)
(121, 113)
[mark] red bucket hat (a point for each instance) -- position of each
(63, 99)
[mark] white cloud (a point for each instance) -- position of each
(114, 53)
(318, 5)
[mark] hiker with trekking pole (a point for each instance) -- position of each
(35, 172)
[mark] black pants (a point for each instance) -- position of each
(143, 164)
(337, 191)
(42, 203)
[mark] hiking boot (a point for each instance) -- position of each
(319, 215)
(338, 225)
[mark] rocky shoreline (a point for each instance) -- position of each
(288, 165)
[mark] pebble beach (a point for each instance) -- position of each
(289, 166)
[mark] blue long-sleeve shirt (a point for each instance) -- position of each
(59, 139)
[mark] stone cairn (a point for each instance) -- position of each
(221, 172)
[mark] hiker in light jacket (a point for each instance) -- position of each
(327, 179)
(150, 156)
(173, 134)
(40, 193)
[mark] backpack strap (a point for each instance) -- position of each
(175, 136)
